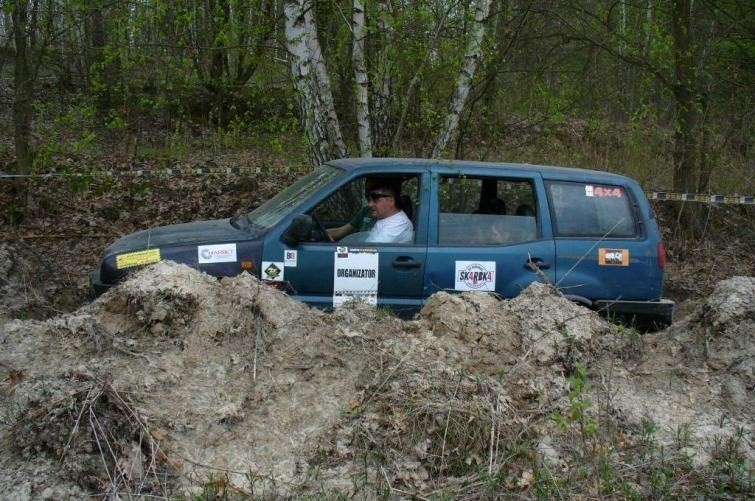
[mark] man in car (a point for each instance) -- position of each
(392, 225)
(382, 217)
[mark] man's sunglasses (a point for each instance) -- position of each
(374, 196)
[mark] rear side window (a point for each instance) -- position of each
(486, 211)
(591, 210)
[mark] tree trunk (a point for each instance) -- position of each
(687, 105)
(99, 70)
(688, 119)
(324, 89)
(22, 79)
(315, 107)
(472, 58)
(360, 76)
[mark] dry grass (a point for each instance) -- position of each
(98, 437)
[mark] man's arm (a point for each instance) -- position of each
(336, 234)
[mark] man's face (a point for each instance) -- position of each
(381, 203)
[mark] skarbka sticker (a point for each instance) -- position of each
(272, 270)
(613, 257)
(355, 276)
(475, 276)
(218, 253)
(289, 258)
(138, 258)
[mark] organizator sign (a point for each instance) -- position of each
(475, 276)
(355, 276)
(219, 253)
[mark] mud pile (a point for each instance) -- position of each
(175, 380)
(695, 380)
(18, 290)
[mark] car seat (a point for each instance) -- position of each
(492, 206)
(525, 210)
(406, 205)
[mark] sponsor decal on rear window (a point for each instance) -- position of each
(613, 257)
(355, 276)
(475, 276)
(272, 270)
(219, 253)
(139, 258)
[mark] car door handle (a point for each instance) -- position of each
(406, 263)
(536, 262)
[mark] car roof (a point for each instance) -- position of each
(546, 171)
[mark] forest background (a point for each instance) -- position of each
(659, 90)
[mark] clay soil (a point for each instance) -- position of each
(175, 384)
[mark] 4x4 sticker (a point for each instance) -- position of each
(139, 258)
(604, 192)
(218, 253)
(613, 257)
(355, 276)
(475, 276)
(272, 270)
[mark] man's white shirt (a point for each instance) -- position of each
(393, 229)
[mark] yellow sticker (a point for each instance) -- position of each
(613, 257)
(131, 259)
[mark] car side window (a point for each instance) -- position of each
(591, 210)
(341, 206)
(348, 206)
(486, 211)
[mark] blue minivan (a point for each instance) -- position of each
(478, 226)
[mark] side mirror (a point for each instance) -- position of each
(300, 230)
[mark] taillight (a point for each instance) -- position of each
(661, 256)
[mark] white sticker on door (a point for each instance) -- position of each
(355, 276)
(475, 276)
(289, 258)
(220, 253)
(272, 270)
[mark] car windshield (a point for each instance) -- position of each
(281, 205)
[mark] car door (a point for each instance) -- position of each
(326, 274)
(488, 231)
(603, 251)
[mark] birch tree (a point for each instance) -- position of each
(471, 60)
(362, 84)
(324, 89)
(318, 116)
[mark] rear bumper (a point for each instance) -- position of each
(653, 315)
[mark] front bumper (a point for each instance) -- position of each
(95, 283)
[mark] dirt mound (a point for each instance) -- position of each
(693, 383)
(539, 323)
(174, 381)
(470, 377)
(727, 321)
(18, 292)
(720, 336)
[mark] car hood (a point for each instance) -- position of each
(198, 232)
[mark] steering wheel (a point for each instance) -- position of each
(319, 233)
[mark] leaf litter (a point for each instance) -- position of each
(175, 380)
